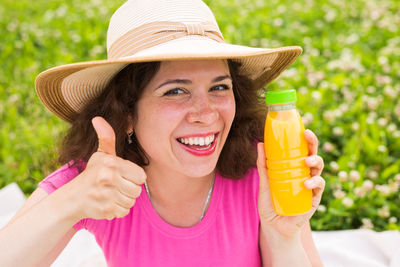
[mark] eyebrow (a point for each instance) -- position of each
(184, 81)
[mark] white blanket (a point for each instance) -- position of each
(350, 248)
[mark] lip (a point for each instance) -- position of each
(201, 153)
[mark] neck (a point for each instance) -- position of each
(177, 198)
(176, 187)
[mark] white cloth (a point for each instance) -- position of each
(348, 248)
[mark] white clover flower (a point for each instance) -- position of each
(308, 118)
(334, 166)
(330, 15)
(390, 92)
(328, 147)
(391, 128)
(383, 79)
(394, 186)
(384, 212)
(342, 176)
(397, 177)
(382, 122)
(382, 60)
(12, 26)
(352, 38)
(347, 202)
(382, 148)
(329, 116)
(344, 108)
(383, 189)
(370, 120)
(13, 98)
(351, 164)
(339, 194)
(321, 208)
(354, 175)
(371, 89)
(367, 185)
(337, 113)
(396, 134)
(326, 85)
(316, 96)
(303, 90)
(355, 126)
(397, 109)
(392, 220)
(338, 131)
(360, 192)
(372, 103)
(277, 22)
(367, 224)
(96, 50)
(372, 174)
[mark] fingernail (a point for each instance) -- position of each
(311, 160)
(309, 183)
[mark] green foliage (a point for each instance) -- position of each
(347, 79)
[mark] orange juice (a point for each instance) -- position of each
(286, 150)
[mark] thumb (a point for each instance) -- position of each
(105, 134)
(264, 197)
(262, 167)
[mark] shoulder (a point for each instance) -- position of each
(61, 176)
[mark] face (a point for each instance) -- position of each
(184, 116)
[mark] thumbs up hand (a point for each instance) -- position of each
(109, 185)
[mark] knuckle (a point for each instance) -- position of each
(105, 177)
(107, 211)
(137, 191)
(143, 175)
(110, 161)
(123, 213)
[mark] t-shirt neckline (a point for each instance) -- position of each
(183, 232)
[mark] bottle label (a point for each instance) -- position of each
(280, 107)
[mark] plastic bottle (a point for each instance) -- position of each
(286, 150)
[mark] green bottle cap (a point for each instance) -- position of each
(280, 97)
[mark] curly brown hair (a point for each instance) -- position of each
(117, 106)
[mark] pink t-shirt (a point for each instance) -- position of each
(227, 235)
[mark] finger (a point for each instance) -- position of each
(105, 135)
(128, 189)
(132, 172)
(124, 201)
(312, 142)
(261, 166)
(317, 185)
(316, 164)
(121, 211)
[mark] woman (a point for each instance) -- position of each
(164, 164)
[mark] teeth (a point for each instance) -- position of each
(201, 141)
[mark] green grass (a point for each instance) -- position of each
(347, 79)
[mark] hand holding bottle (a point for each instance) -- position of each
(290, 225)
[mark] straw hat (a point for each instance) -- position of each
(155, 30)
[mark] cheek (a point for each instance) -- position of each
(156, 120)
(228, 110)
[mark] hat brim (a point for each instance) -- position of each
(65, 89)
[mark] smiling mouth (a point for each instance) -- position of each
(198, 142)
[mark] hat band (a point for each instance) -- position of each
(154, 33)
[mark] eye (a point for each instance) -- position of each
(172, 92)
(220, 87)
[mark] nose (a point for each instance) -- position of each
(203, 111)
